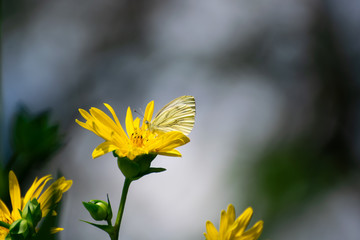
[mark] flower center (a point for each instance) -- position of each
(138, 139)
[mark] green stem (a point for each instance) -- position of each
(121, 209)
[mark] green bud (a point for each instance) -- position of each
(98, 209)
(34, 137)
(32, 213)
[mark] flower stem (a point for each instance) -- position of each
(121, 209)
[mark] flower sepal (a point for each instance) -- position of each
(138, 167)
(24, 228)
(20, 230)
(4, 224)
(32, 212)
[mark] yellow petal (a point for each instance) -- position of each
(65, 185)
(230, 214)
(137, 123)
(85, 114)
(243, 221)
(84, 125)
(103, 148)
(105, 127)
(121, 130)
(4, 209)
(53, 194)
(148, 113)
(101, 117)
(223, 224)
(40, 188)
(170, 153)
(254, 232)
(129, 122)
(123, 152)
(113, 114)
(231, 226)
(15, 195)
(211, 232)
(55, 230)
(102, 131)
(209, 237)
(168, 141)
(30, 193)
(51, 198)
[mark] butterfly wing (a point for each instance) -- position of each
(177, 115)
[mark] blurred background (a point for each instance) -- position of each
(277, 128)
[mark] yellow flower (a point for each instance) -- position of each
(231, 229)
(50, 196)
(137, 141)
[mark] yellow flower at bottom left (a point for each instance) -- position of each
(46, 199)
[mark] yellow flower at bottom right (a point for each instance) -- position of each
(231, 229)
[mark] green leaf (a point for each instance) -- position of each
(110, 214)
(34, 139)
(107, 228)
(156, 170)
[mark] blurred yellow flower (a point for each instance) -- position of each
(137, 141)
(50, 196)
(231, 229)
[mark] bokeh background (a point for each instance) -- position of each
(277, 128)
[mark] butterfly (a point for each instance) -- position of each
(177, 115)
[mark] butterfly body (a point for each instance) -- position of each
(177, 115)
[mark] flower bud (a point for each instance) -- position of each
(98, 209)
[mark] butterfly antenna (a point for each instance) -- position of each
(140, 113)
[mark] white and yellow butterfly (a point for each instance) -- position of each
(177, 115)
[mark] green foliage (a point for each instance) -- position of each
(34, 139)
(289, 175)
